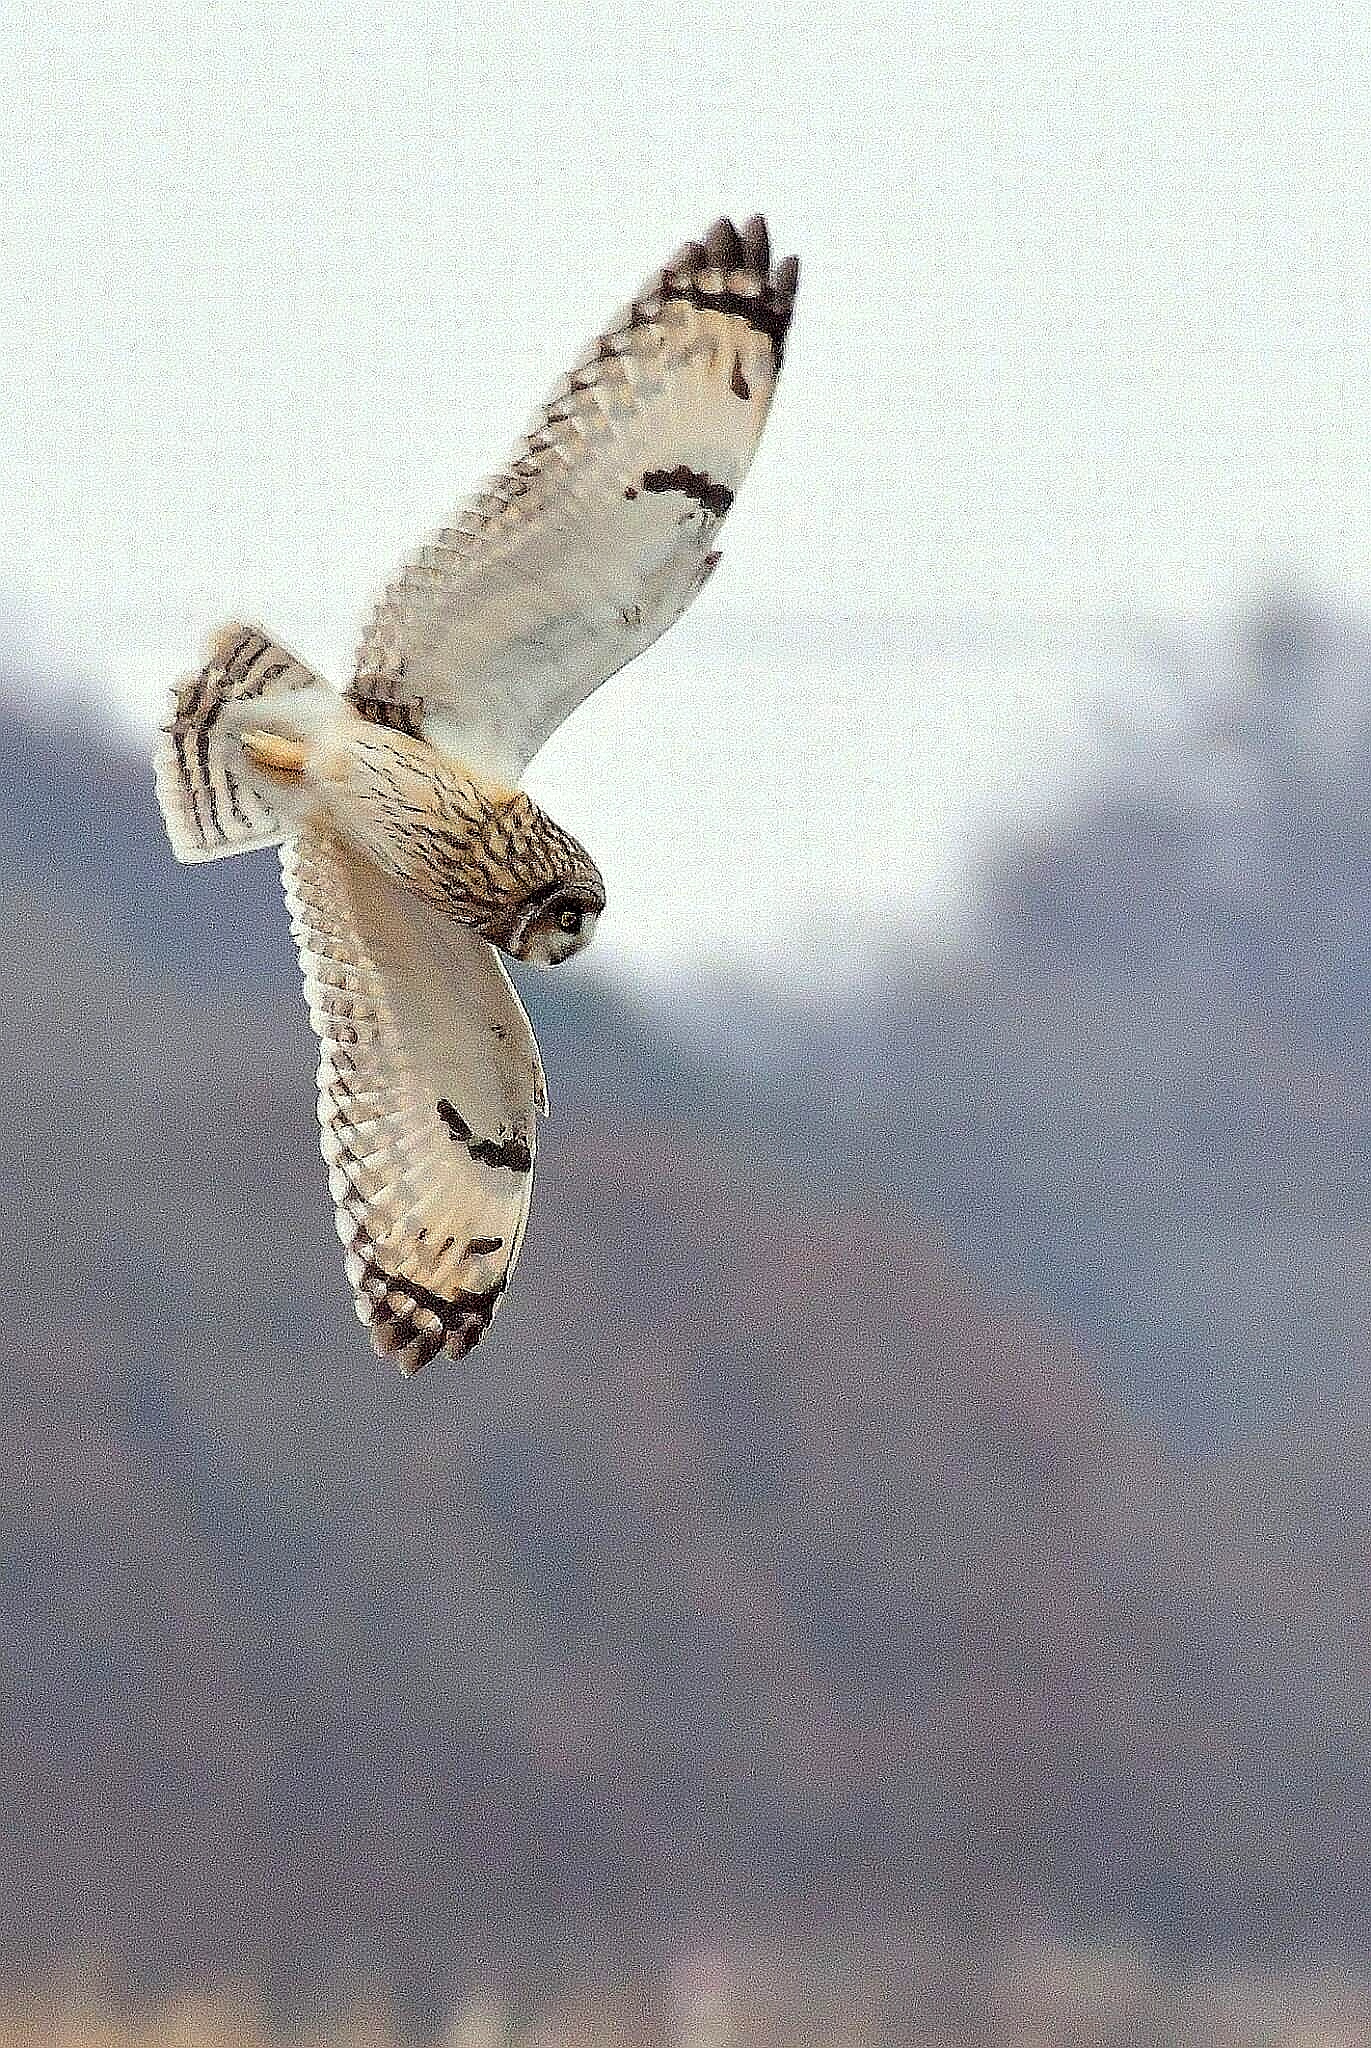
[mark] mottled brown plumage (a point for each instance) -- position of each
(478, 851)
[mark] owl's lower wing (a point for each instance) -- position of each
(429, 1088)
(600, 529)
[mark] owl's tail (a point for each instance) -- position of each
(217, 796)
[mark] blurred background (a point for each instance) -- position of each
(913, 1584)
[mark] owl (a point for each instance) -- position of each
(410, 856)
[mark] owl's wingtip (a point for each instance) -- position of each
(734, 254)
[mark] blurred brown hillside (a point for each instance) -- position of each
(768, 1567)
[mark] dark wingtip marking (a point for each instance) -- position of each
(723, 246)
(692, 483)
(462, 1318)
(479, 1245)
(757, 244)
(766, 306)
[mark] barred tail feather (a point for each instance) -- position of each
(211, 805)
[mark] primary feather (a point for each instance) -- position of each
(427, 1102)
(600, 529)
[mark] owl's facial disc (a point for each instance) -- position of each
(553, 924)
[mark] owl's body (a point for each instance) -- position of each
(474, 848)
(409, 853)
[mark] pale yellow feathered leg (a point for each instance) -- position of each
(273, 754)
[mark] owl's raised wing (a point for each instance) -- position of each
(600, 529)
(429, 1088)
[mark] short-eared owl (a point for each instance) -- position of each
(408, 852)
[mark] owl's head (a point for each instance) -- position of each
(546, 892)
(555, 922)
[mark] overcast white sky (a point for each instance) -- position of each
(1083, 336)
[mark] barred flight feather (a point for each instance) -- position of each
(600, 529)
(414, 1014)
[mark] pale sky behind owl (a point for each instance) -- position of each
(1082, 341)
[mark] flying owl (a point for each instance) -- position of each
(409, 854)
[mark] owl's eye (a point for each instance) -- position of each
(569, 920)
